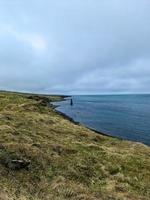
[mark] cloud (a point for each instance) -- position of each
(74, 46)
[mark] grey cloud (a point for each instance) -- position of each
(74, 46)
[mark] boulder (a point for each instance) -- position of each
(17, 164)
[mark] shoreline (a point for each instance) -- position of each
(67, 117)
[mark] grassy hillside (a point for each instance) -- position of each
(64, 160)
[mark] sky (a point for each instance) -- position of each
(75, 46)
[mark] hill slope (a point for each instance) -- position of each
(45, 156)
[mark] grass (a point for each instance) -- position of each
(68, 161)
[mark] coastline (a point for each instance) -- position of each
(65, 116)
(44, 154)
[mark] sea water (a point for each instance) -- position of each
(123, 116)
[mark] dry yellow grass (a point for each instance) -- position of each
(67, 161)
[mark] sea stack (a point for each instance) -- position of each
(71, 102)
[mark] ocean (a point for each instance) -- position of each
(123, 116)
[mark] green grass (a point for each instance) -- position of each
(67, 161)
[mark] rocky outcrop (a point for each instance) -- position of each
(14, 163)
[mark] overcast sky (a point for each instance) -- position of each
(75, 46)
